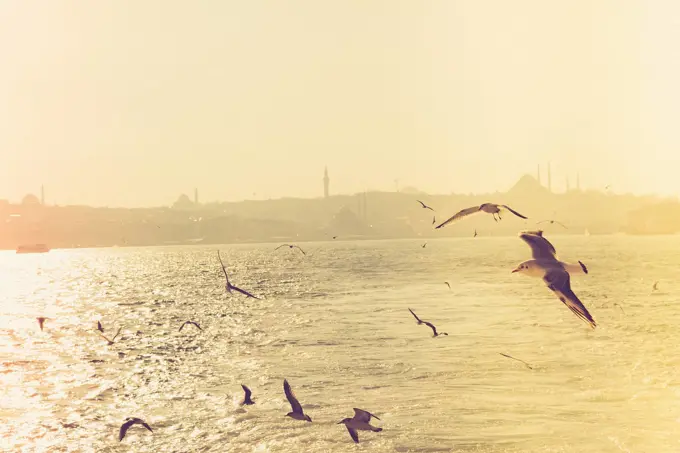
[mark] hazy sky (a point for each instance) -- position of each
(132, 102)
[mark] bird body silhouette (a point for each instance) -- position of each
(228, 285)
(129, 422)
(247, 399)
(360, 422)
(297, 413)
(490, 208)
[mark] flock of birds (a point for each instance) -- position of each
(544, 264)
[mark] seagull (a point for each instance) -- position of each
(335, 237)
(247, 400)
(490, 208)
(447, 284)
(228, 285)
(434, 220)
(99, 327)
(554, 273)
(654, 287)
(189, 322)
(129, 422)
(360, 422)
(41, 321)
(552, 222)
(423, 246)
(112, 339)
(291, 246)
(519, 360)
(475, 233)
(297, 412)
(428, 324)
(425, 206)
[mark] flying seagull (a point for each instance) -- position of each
(41, 321)
(99, 327)
(425, 206)
(423, 246)
(228, 285)
(554, 273)
(654, 287)
(552, 222)
(112, 339)
(189, 322)
(430, 325)
(297, 413)
(475, 233)
(360, 422)
(129, 422)
(291, 246)
(434, 220)
(519, 360)
(447, 284)
(489, 208)
(247, 400)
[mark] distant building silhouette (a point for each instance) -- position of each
(326, 182)
(30, 200)
(196, 196)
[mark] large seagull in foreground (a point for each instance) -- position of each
(554, 273)
(490, 208)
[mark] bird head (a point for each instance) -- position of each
(343, 421)
(522, 268)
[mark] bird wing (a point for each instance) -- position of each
(143, 423)
(124, 427)
(248, 392)
(242, 291)
(447, 284)
(458, 215)
(224, 269)
(558, 281)
(182, 326)
(560, 223)
(425, 206)
(117, 333)
(196, 324)
(354, 434)
(513, 211)
(363, 416)
(541, 248)
(414, 315)
(99, 327)
(300, 249)
(434, 219)
(282, 245)
(290, 396)
(431, 326)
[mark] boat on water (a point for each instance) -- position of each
(33, 248)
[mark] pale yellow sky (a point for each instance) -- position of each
(132, 102)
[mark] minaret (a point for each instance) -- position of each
(42, 195)
(326, 181)
(549, 179)
(538, 174)
(196, 196)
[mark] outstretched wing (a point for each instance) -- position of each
(513, 211)
(354, 434)
(99, 327)
(196, 324)
(224, 269)
(182, 326)
(300, 249)
(290, 396)
(282, 245)
(117, 333)
(363, 416)
(248, 392)
(145, 425)
(123, 429)
(541, 248)
(458, 215)
(236, 288)
(414, 315)
(559, 282)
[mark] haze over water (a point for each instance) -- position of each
(335, 324)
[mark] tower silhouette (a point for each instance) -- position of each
(326, 182)
(549, 179)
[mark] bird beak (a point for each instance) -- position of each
(514, 270)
